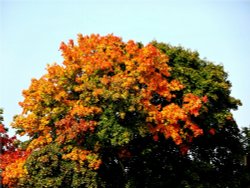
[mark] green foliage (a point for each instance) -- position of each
(246, 139)
(47, 168)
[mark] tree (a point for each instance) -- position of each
(246, 145)
(10, 155)
(119, 114)
(218, 153)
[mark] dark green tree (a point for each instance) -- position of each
(215, 159)
(245, 132)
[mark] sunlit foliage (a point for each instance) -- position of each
(108, 108)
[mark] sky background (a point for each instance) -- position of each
(31, 33)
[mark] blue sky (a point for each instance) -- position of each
(31, 33)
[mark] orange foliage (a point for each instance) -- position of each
(11, 159)
(65, 102)
(84, 156)
(13, 168)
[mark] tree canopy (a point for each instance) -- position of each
(121, 114)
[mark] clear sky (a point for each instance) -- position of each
(31, 32)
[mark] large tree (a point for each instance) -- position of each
(121, 114)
